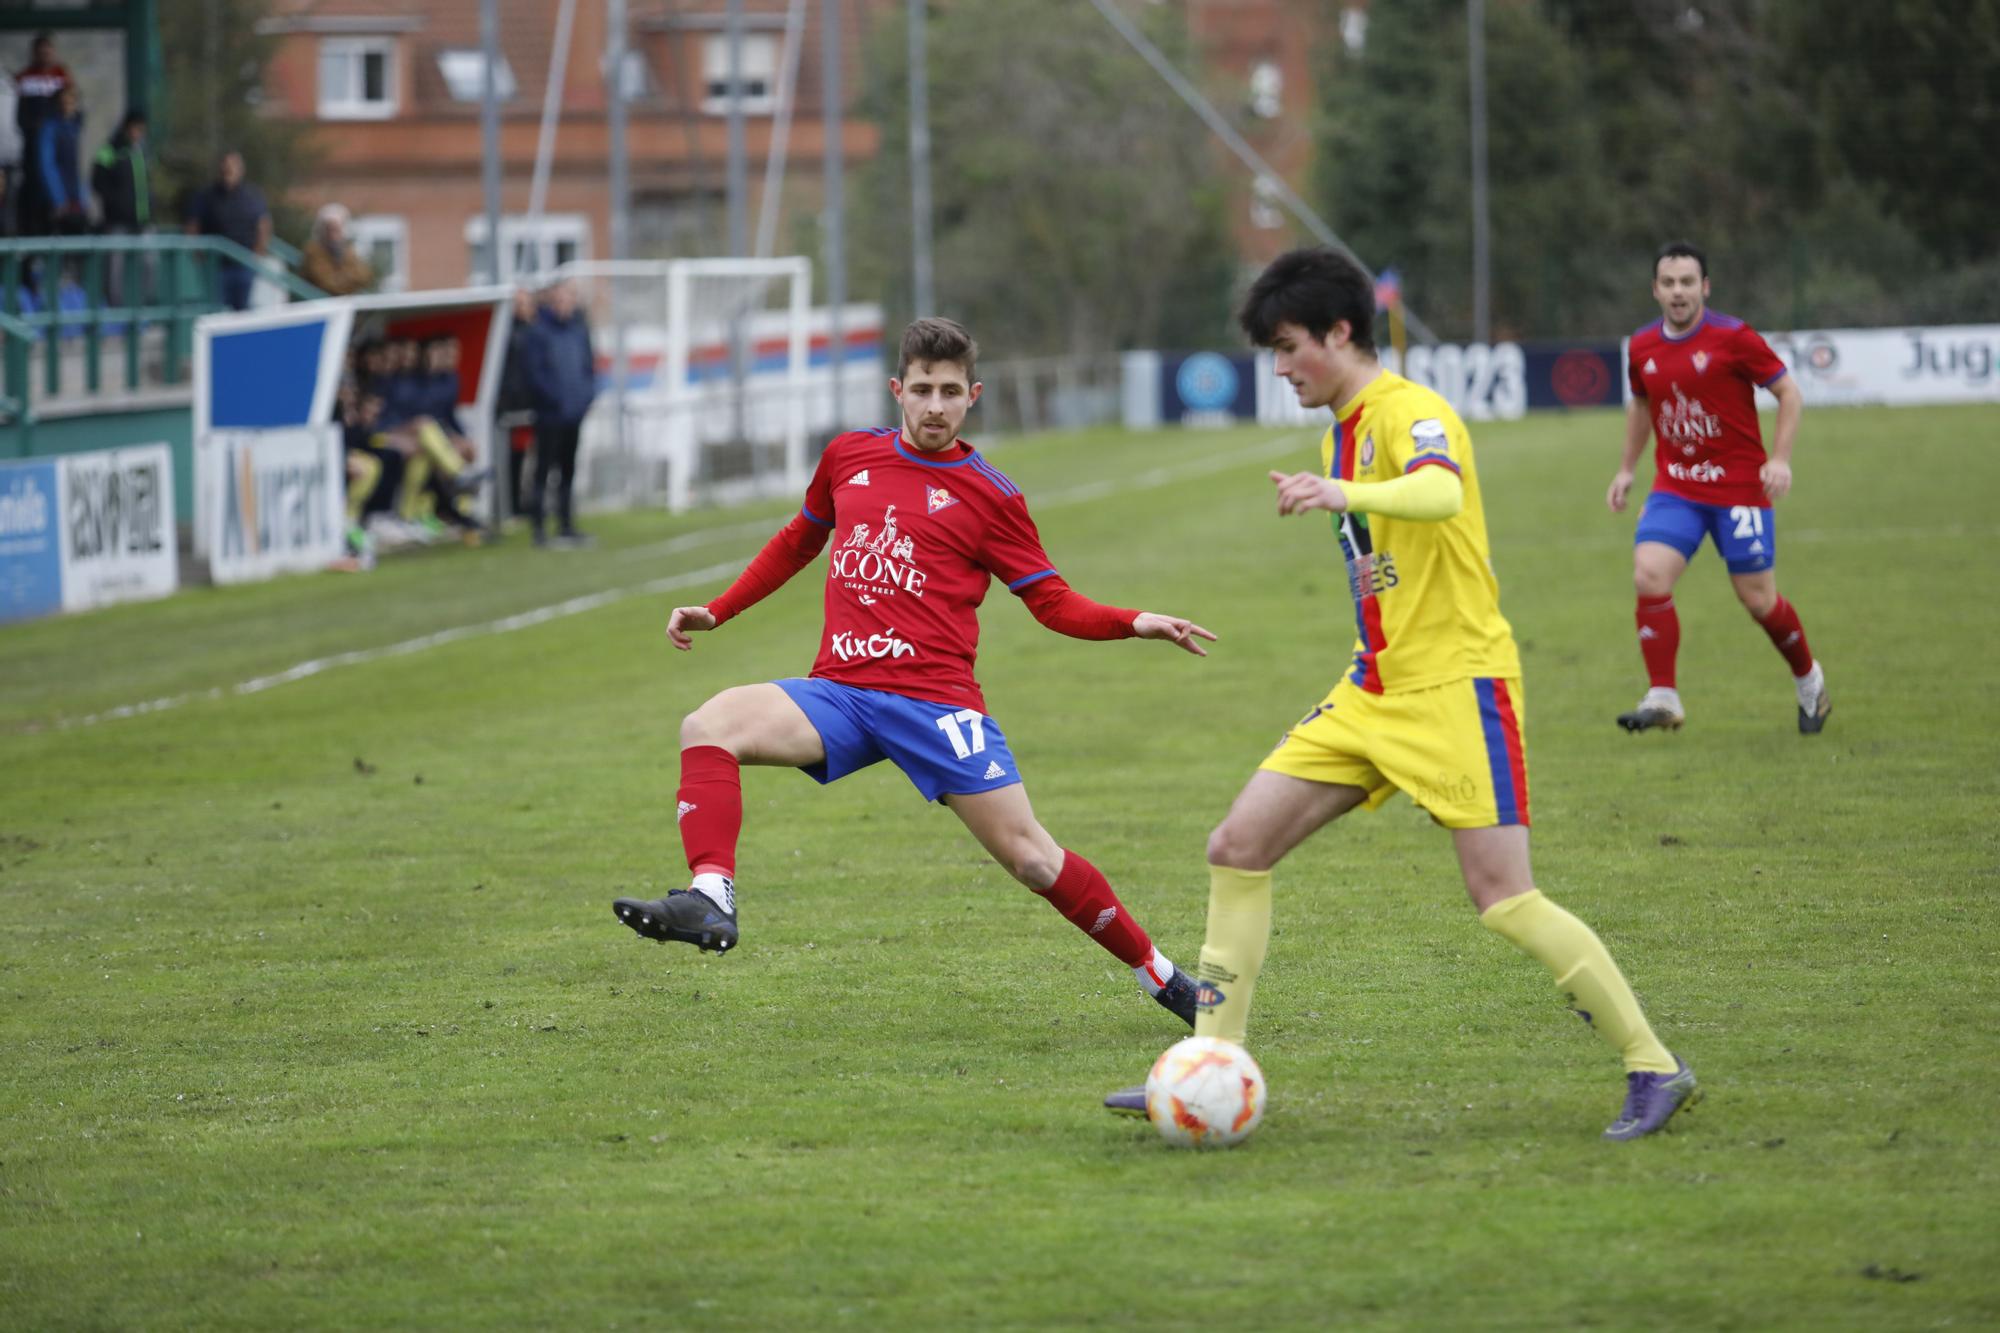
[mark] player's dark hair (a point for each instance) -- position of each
(1314, 288)
(1681, 250)
(931, 340)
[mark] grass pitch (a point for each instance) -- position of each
(314, 1012)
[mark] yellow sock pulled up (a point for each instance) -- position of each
(1239, 930)
(1583, 970)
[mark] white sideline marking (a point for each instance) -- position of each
(1150, 479)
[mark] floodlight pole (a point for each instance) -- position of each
(922, 294)
(832, 131)
(737, 184)
(1482, 259)
(621, 206)
(489, 131)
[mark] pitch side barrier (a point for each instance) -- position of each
(1895, 367)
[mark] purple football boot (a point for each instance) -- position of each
(1651, 1100)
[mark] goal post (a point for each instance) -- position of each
(707, 373)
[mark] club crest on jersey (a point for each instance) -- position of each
(1700, 362)
(1367, 451)
(859, 479)
(937, 497)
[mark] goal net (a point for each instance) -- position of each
(709, 391)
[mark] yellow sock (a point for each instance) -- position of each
(366, 470)
(1583, 969)
(415, 474)
(1239, 928)
(431, 439)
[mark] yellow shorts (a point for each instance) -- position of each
(1457, 749)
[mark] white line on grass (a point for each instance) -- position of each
(1150, 479)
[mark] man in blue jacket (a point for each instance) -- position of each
(562, 377)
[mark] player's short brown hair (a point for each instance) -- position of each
(1681, 250)
(931, 340)
(1315, 289)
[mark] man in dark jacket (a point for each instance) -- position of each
(122, 180)
(514, 412)
(562, 370)
(233, 208)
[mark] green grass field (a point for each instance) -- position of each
(314, 1014)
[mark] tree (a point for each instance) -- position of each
(1077, 208)
(213, 61)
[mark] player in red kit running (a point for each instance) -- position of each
(1695, 375)
(920, 524)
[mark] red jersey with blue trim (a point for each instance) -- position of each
(915, 541)
(1701, 388)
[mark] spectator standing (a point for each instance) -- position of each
(36, 89)
(58, 202)
(10, 153)
(562, 368)
(234, 209)
(122, 180)
(331, 262)
(514, 407)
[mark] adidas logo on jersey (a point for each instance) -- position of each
(859, 479)
(993, 770)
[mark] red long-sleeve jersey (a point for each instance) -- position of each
(916, 540)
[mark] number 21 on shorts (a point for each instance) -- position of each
(1749, 520)
(948, 724)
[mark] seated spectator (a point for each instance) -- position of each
(438, 466)
(331, 262)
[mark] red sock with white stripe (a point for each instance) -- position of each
(710, 814)
(1086, 900)
(1659, 639)
(1788, 636)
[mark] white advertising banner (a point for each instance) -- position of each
(118, 526)
(269, 501)
(1899, 367)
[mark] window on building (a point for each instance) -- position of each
(357, 78)
(1266, 207)
(529, 247)
(384, 241)
(758, 72)
(1267, 90)
(637, 83)
(464, 74)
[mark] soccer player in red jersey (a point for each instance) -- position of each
(920, 524)
(1694, 375)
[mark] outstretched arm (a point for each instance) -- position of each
(1428, 493)
(789, 551)
(1067, 611)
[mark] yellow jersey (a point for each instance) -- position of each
(1426, 603)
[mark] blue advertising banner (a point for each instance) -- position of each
(31, 535)
(1583, 374)
(1208, 389)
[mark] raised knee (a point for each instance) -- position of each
(704, 726)
(1227, 847)
(1032, 865)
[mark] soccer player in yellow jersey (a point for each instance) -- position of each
(1432, 703)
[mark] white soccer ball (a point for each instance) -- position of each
(1205, 1092)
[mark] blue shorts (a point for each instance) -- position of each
(1745, 535)
(945, 751)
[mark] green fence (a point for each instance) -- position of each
(102, 294)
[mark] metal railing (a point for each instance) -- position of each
(53, 294)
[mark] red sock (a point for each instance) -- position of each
(1659, 638)
(1788, 636)
(711, 808)
(1084, 897)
